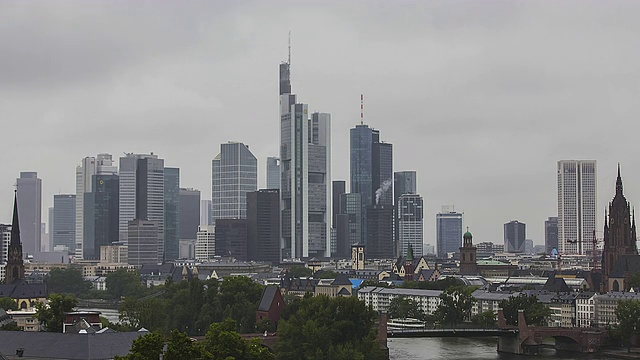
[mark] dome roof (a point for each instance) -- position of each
(467, 235)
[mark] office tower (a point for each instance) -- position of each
(551, 234)
(234, 174)
(338, 187)
(171, 213)
(273, 173)
(205, 243)
(30, 197)
(189, 213)
(382, 172)
(379, 232)
(143, 245)
(528, 246)
(231, 238)
(205, 212)
(515, 234)
(349, 223)
(50, 228)
(114, 254)
(448, 231)
(305, 162)
(88, 167)
(101, 209)
(150, 182)
(410, 224)
(404, 182)
(5, 241)
(577, 194)
(64, 221)
(263, 225)
(489, 248)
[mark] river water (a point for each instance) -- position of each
(467, 349)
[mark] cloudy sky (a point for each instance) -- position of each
(480, 97)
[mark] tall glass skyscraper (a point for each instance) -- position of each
(577, 195)
(171, 213)
(64, 220)
(101, 220)
(234, 174)
(273, 173)
(515, 234)
(410, 224)
(29, 192)
(449, 231)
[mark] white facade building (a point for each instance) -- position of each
(585, 309)
(410, 224)
(206, 243)
(577, 195)
(89, 166)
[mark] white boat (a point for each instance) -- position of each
(406, 323)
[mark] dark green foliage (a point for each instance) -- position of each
(180, 346)
(634, 282)
(329, 328)
(239, 299)
(12, 326)
(67, 281)
(401, 307)
(455, 305)
(375, 283)
(325, 274)
(52, 316)
(124, 283)
(441, 284)
(148, 347)
(300, 271)
(628, 314)
(486, 319)
(535, 312)
(8, 303)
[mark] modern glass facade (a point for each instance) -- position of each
(231, 238)
(234, 174)
(515, 234)
(551, 234)
(361, 159)
(189, 213)
(29, 192)
(410, 213)
(64, 220)
(263, 225)
(171, 213)
(273, 173)
(101, 207)
(449, 231)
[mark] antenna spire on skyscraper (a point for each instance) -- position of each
(289, 60)
(361, 109)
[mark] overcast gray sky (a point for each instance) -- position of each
(480, 97)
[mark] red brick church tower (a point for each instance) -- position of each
(468, 259)
(619, 235)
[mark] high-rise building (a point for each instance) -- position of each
(338, 187)
(528, 246)
(382, 172)
(5, 241)
(404, 182)
(142, 247)
(88, 167)
(171, 213)
(551, 234)
(515, 234)
(577, 195)
(50, 227)
(29, 188)
(263, 225)
(349, 223)
(205, 243)
(189, 213)
(148, 179)
(305, 162)
(449, 231)
(410, 224)
(101, 208)
(273, 172)
(205, 213)
(234, 174)
(379, 232)
(231, 238)
(64, 220)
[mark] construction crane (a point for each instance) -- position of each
(595, 252)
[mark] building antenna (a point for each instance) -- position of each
(361, 109)
(289, 61)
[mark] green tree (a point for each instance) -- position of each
(634, 282)
(325, 274)
(147, 347)
(535, 312)
(300, 271)
(150, 314)
(628, 314)
(486, 319)
(124, 283)
(239, 299)
(8, 303)
(180, 346)
(12, 326)
(401, 307)
(52, 313)
(67, 281)
(223, 342)
(455, 305)
(375, 283)
(329, 328)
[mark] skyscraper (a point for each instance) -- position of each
(88, 167)
(234, 174)
(231, 238)
(349, 223)
(305, 162)
(410, 224)
(449, 231)
(273, 173)
(189, 213)
(64, 220)
(142, 248)
(101, 209)
(404, 182)
(205, 213)
(338, 188)
(171, 213)
(551, 234)
(379, 232)
(263, 225)
(515, 234)
(577, 194)
(205, 248)
(150, 180)
(29, 194)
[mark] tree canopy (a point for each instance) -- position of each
(8, 303)
(67, 281)
(628, 314)
(455, 305)
(300, 271)
(401, 307)
(329, 328)
(486, 319)
(535, 312)
(52, 313)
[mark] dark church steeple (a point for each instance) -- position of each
(14, 270)
(619, 183)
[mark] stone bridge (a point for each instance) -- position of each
(529, 338)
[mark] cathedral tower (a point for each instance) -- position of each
(14, 270)
(468, 259)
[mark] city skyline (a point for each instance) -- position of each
(547, 92)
